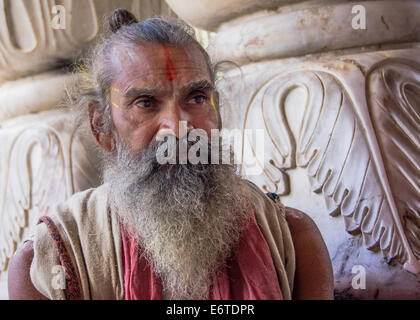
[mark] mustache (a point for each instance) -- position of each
(172, 149)
(187, 217)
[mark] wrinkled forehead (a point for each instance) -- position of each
(157, 64)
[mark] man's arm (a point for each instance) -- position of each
(19, 280)
(314, 278)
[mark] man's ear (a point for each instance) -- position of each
(104, 139)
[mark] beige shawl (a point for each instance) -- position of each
(92, 238)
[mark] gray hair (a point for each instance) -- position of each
(97, 70)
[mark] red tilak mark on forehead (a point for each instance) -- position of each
(170, 68)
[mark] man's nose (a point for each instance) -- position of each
(174, 121)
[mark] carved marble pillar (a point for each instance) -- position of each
(43, 158)
(340, 108)
(29, 43)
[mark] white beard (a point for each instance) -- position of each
(187, 225)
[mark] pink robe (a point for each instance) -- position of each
(250, 275)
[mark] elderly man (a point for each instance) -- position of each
(165, 231)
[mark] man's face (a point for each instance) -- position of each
(155, 88)
(186, 216)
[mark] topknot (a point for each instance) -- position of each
(119, 18)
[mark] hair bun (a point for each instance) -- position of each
(119, 18)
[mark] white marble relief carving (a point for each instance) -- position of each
(29, 44)
(33, 94)
(316, 27)
(43, 162)
(209, 14)
(395, 114)
(366, 170)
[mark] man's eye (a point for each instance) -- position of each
(198, 99)
(144, 103)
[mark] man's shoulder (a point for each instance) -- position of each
(84, 226)
(265, 203)
(299, 221)
(255, 192)
(270, 199)
(81, 220)
(269, 209)
(82, 207)
(270, 217)
(85, 197)
(269, 212)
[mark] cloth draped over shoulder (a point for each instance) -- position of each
(92, 239)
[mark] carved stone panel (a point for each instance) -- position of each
(29, 42)
(317, 27)
(33, 94)
(209, 14)
(341, 140)
(44, 160)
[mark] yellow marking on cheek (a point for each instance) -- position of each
(116, 105)
(115, 89)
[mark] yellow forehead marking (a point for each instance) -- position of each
(108, 95)
(212, 103)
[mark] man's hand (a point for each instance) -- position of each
(314, 278)
(19, 280)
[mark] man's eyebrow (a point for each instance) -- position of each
(190, 87)
(136, 92)
(201, 85)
